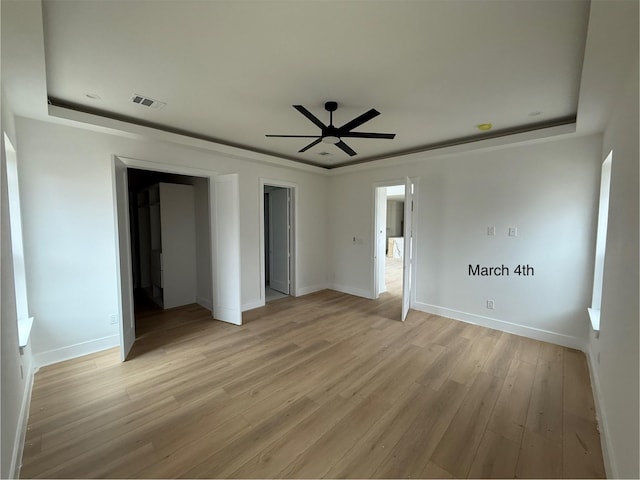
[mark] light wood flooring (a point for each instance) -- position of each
(325, 385)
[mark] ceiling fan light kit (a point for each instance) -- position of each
(333, 135)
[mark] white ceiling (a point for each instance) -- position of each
(230, 71)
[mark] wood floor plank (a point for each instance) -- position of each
(577, 398)
(500, 357)
(411, 454)
(545, 408)
(322, 385)
(272, 460)
(497, 457)
(369, 452)
(441, 369)
(178, 457)
(458, 446)
(582, 454)
(233, 455)
(509, 414)
(540, 457)
(330, 447)
(468, 367)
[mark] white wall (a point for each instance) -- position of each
(616, 374)
(547, 190)
(16, 369)
(70, 238)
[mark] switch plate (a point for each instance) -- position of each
(513, 231)
(491, 231)
(490, 304)
(113, 319)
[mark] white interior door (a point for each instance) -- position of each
(408, 248)
(178, 261)
(279, 220)
(226, 207)
(127, 321)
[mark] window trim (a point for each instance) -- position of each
(601, 242)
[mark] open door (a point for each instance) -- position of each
(121, 194)
(279, 227)
(226, 208)
(408, 247)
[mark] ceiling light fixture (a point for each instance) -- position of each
(483, 127)
(330, 139)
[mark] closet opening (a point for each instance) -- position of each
(170, 246)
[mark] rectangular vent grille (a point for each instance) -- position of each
(146, 101)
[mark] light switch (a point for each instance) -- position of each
(491, 231)
(513, 231)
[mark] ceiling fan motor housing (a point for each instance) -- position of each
(331, 106)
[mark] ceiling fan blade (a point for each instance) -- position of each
(315, 142)
(310, 116)
(388, 136)
(356, 122)
(345, 148)
(294, 136)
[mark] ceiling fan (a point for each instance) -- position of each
(334, 135)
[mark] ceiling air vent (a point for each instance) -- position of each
(146, 101)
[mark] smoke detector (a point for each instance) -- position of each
(147, 102)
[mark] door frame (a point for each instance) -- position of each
(293, 238)
(374, 267)
(126, 296)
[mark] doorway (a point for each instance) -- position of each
(223, 245)
(277, 238)
(393, 242)
(170, 245)
(390, 232)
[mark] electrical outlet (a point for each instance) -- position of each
(491, 231)
(490, 304)
(513, 231)
(113, 319)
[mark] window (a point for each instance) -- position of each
(24, 321)
(601, 241)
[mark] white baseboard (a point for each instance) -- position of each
(352, 291)
(23, 420)
(77, 350)
(524, 331)
(610, 467)
(204, 303)
(311, 289)
(226, 314)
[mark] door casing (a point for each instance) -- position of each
(375, 271)
(225, 249)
